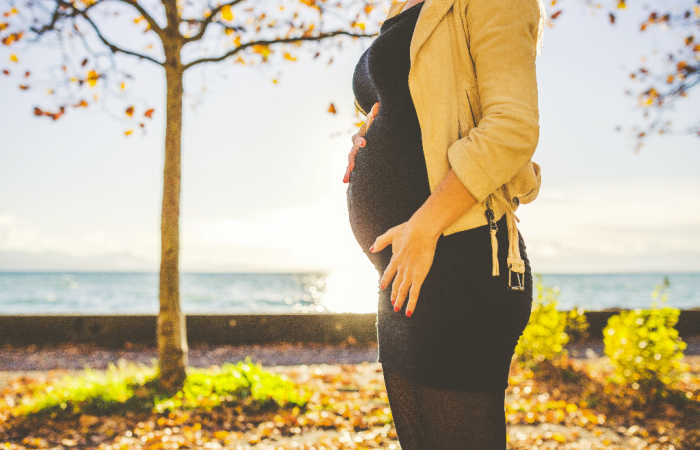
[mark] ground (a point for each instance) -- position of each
(349, 407)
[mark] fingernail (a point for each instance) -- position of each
(396, 308)
(371, 249)
(362, 143)
(409, 313)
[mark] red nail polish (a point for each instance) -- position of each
(396, 307)
(371, 249)
(409, 313)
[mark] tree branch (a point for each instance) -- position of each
(268, 42)
(171, 14)
(115, 48)
(57, 15)
(151, 21)
(204, 24)
(74, 12)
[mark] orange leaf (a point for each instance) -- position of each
(128, 132)
(263, 49)
(92, 78)
(331, 108)
(360, 25)
(130, 111)
(226, 13)
(149, 113)
(12, 37)
(13, 58)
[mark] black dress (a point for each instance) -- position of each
(466, 323)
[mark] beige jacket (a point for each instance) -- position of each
(472, 81)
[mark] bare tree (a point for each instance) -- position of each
(190, 33)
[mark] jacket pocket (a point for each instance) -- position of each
(465, 119)
(471, 107)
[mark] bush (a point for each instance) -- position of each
(135, 387)
(576, 324)
(545, 336)
(644, 347)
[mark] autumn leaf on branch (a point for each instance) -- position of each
(674, 77)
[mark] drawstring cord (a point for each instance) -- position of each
(516, 265)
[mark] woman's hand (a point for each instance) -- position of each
(413, 249)
(358, 141)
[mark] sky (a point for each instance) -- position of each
(263, 163)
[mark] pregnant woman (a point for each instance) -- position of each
(448, 319)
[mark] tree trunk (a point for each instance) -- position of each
(172, 333)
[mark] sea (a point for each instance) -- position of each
(107, 293)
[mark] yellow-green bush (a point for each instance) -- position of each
(644, 346)
(545, 335)
(576, 324)
(131, 386)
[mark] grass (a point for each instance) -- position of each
(132, 387)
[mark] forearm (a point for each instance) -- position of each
(446, 203)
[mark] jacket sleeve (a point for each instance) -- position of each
(502, 36)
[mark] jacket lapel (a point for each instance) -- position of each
(431, 13)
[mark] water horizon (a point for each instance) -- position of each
(340, 290)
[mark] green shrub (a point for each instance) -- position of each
(545, 336)
(643, 345)
(135, 387)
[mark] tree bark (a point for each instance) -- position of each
(172, 332)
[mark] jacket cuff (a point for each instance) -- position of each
(470, 173)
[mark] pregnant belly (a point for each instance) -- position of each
(387, 185)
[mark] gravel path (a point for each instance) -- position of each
(72, 356)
